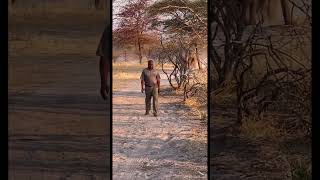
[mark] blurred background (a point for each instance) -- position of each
(58, 123)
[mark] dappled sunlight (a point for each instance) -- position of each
(174, 144)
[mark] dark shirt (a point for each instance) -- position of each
(150, 77)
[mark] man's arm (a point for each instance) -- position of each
(158, 82)
(142, 82)
(104, 70)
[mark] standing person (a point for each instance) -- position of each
(150, 78)
(104, 51)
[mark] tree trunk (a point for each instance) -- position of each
(197, 56)
(139, 49)
(100, 4)
(286, 12)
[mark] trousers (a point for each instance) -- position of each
(151, 92)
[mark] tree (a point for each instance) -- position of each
(263, 65)
(183, 25)
(184, 20)
(134, 25)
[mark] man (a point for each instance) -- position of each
(104, 51)
(150, 78)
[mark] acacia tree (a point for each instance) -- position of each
(262, 65)
(126, 39)
(183, 25)
(183, 19)
(134, 25)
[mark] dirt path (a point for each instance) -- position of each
(170, 146)
(58, 123)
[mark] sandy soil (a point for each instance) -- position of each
(170, 146)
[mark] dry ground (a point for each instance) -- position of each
(259, 150)
(170, 146)
(58, 124)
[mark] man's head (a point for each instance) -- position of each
(150, 64)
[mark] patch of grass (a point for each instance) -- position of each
(167, 90)
(193, 102)
(126, 65)
(198, 99)
(198, 107)
(259, 129)
(126, 71)
(126, 75)
(301, 170)
(204, 115)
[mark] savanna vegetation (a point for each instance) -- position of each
(174, 35)
(262, 73)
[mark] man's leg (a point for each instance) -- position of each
(148, 99)
(104, 76)
(155, 101)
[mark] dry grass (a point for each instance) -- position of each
(126, 75)
(260, 129)
(193, 102)
(136, 65)
(301, 170)
(125, 65)
(127, 71)
(199, 108)
(198, 102)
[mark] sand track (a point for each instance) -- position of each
(170, 146)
